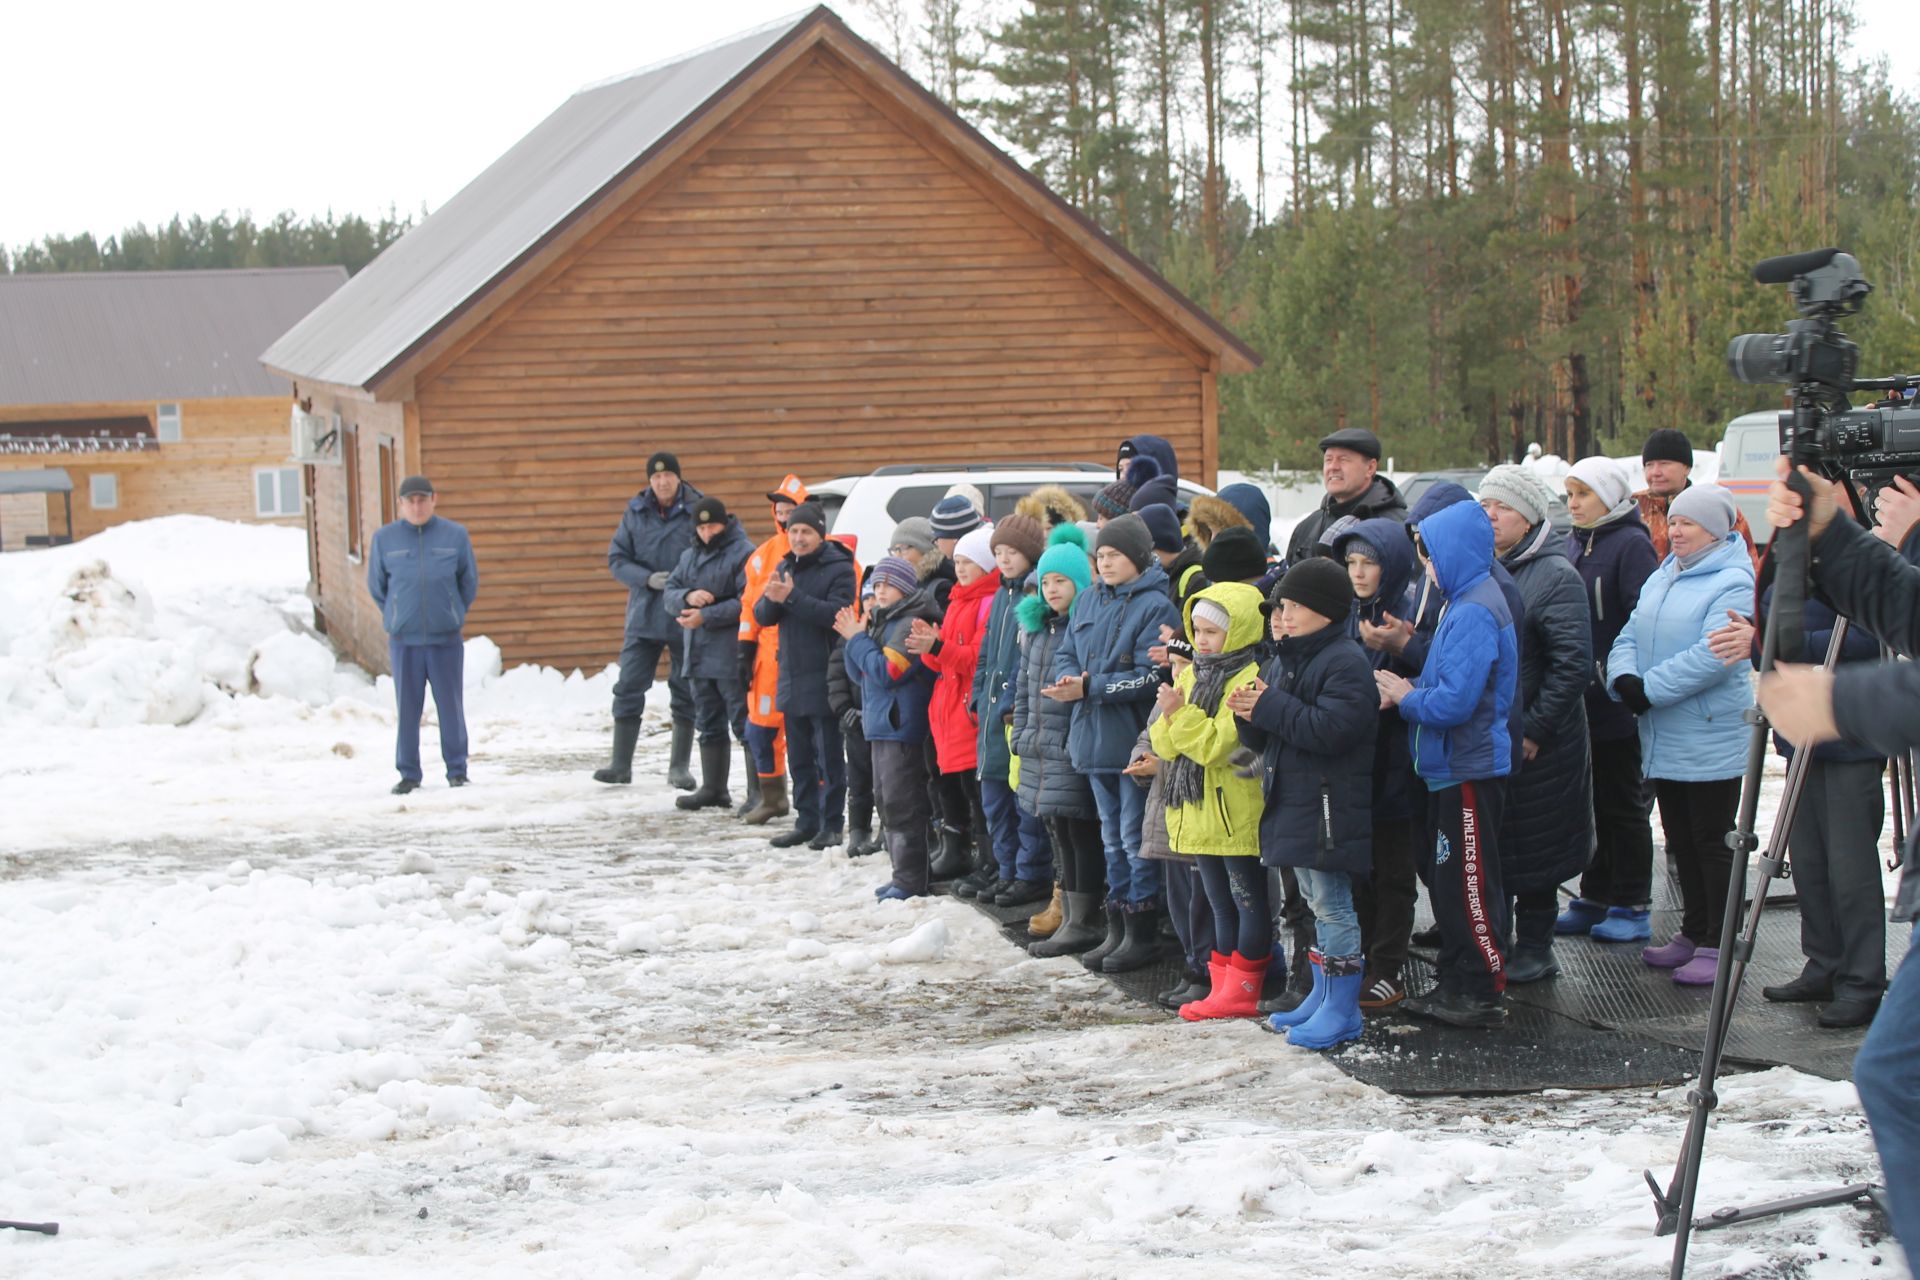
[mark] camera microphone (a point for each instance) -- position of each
(1783, 269)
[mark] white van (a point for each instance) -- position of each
(1747, 453)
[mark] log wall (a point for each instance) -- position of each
(823, 289)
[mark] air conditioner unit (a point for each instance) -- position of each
(313, 439)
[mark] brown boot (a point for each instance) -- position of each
(1043, 925)
(773, 801)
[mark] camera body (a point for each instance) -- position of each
(1867, 448)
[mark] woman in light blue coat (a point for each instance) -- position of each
(1693, 739)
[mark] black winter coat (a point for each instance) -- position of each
(1050, 787)
(1546, 833)
(1315, 727)
(823, 584)
(1614, 561)
(651, 541)
(1393, 775)
(1874, 704)
(720, 566)
(1381, 501)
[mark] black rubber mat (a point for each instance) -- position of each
(1608, 1021)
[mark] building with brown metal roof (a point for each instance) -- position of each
(775, 254)
(145, 388)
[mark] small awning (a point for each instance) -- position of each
(43, 480)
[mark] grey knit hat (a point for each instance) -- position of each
(1707, 505)
(1128, 535)
(1518, 488)
(915, 532)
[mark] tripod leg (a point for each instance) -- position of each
(1736, 948)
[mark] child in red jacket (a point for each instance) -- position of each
(951, 651)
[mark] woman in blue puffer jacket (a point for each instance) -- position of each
(1690, 704)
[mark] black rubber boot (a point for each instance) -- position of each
(1190, 988)
(952, 856)
(1139, 945)
(715, 757)
(860, 841)
(679, 776)
(619, 768)
(1081, 928)
(753, 784)
(1116, 931)
(825, 840)
(792, 839)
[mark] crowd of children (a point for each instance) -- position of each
(1134, 717)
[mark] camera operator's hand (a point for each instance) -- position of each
(1896, 511)
(1733, 643)
(1798, 701)
(1783, 504)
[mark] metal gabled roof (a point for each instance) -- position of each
(597, 139)
(106, 336)
(431, 272)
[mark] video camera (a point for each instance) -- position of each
(1866, 448)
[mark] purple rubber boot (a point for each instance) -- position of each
(1698, 972)
(1678, 951)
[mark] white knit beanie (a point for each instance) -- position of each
(977, 547)
(1604, 478)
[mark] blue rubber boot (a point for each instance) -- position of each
(1308, 1007)
(1338, 1019)
(1623, 924)
(1580, 916)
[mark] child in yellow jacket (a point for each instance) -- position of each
(1212, 813)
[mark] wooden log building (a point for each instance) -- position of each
(143, 387)
(775, 254)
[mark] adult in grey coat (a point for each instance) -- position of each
(703, 596)
(1546, 832)
(655, 530)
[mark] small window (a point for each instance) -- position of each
(350, 456)
(103, 490)
(276, 491)
(384, 452)
(167, 423)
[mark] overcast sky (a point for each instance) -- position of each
(349, 105)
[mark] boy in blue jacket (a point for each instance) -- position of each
(895, 690)
(1460, 740)
(1104, 668)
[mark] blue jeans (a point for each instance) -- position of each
(1236, 894)
(415, 666)
(1887, 1074)
(1336, 925)
(1122, 805)
(1018, 839)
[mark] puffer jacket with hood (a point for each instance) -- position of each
(955, 658)
(823, 584)
(992, 695)
(1614, 560)
(1109, 636)
(895, 686)
(1050, 787)
(1315, 729)
(651, 541)
(1546, 831)
(1392, 768)
(1696, 731)
(1160, 451)
(720, 567)
(1461, 706)
(1225, 823)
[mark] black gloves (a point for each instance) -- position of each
(849, 721)
(749, 654)
(1633, 692)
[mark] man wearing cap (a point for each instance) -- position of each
(1349, 467)
(1667, 458)
(703, 595)
(421, 572)
(655, 531)
(813, 582)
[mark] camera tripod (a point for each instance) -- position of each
(1740, 929)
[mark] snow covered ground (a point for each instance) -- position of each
(265, 1020)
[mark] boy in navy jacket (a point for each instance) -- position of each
(1460, 739)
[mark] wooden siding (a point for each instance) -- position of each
(208, 472)
(340, 590)
(821, 289)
